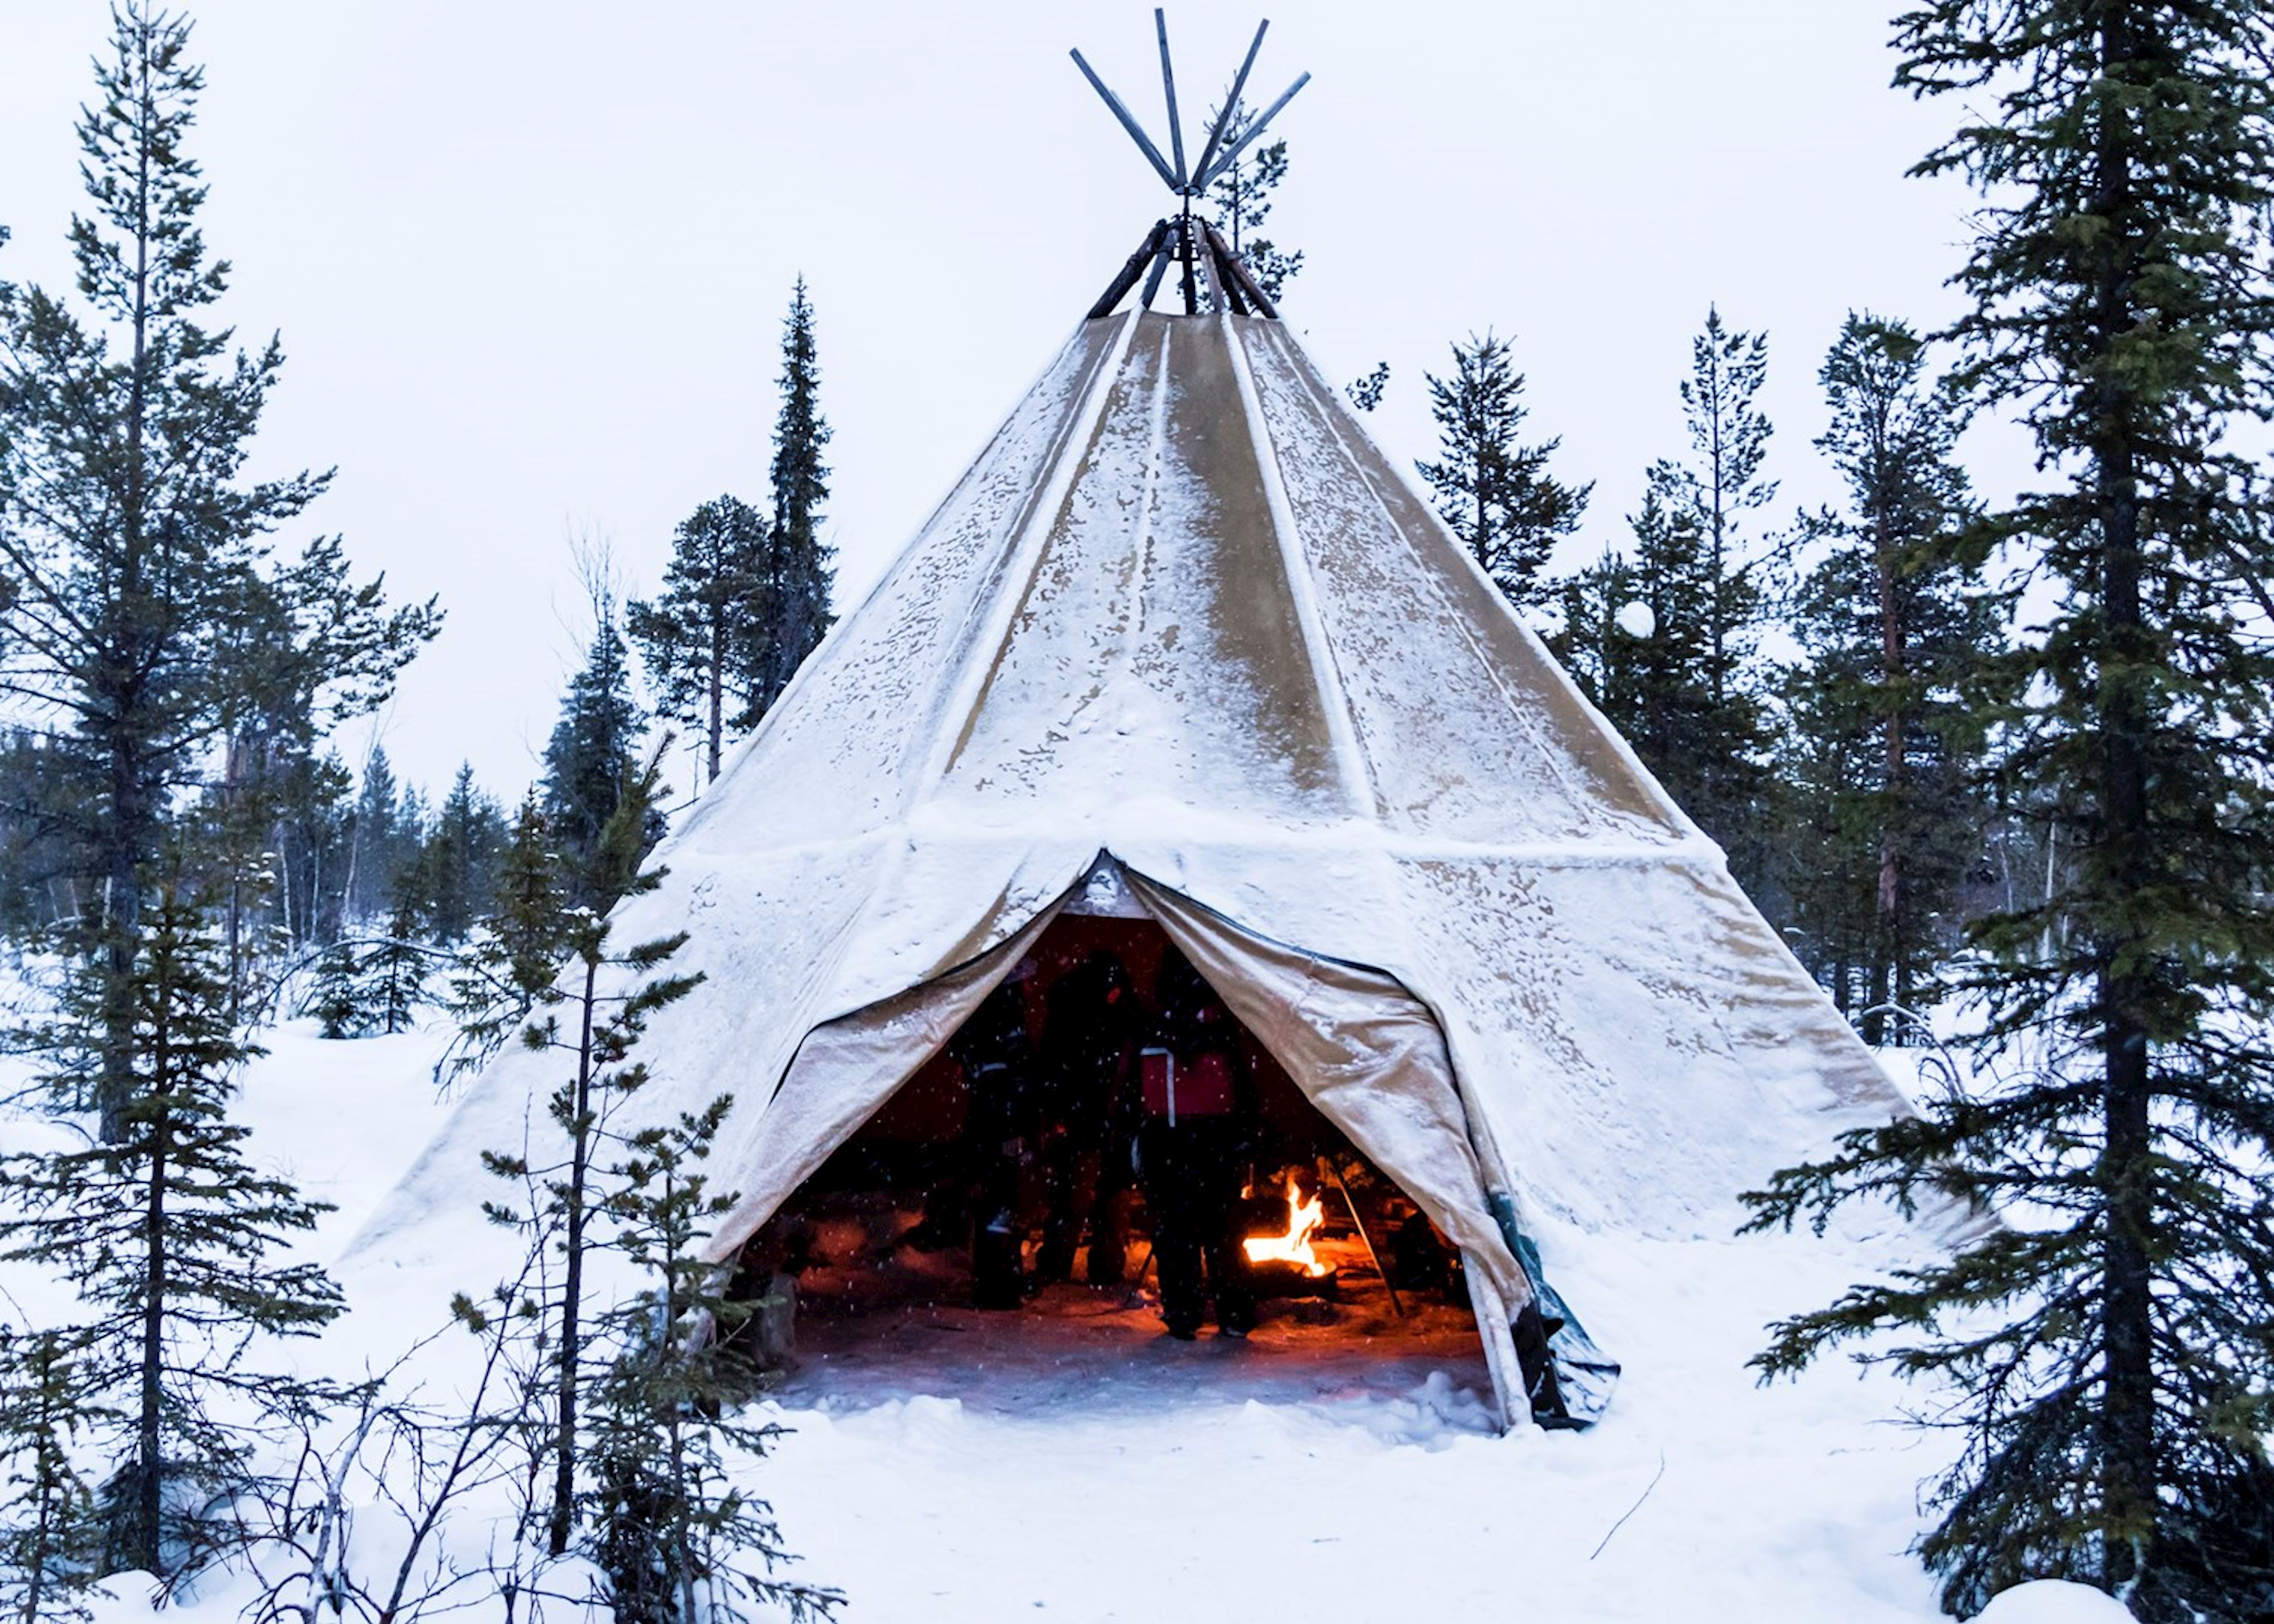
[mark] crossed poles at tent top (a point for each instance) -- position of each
(1183, 240)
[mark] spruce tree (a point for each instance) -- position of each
(335, 999)
(1600, 620)
(517, 949)
(268, 817)
(47, 1508)
(44, 787)
(391, 974)
(376, 841)
(1494, 492)
(1638, 635)
(594, 749)
(458, 870)
(704, 639)
(2110, 1353)
(1884, 819)
(798, 572)
(135, 546)
(168, 1234)
(671, 1525)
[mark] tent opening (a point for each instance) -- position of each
(894, 1258)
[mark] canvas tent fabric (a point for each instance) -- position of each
(1183, 612)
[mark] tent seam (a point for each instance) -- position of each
(1359, 784)
(976, 676)
(1623, 752)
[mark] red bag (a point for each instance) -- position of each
(1204, 1088)
(1156, 1074)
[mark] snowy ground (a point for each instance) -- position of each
(958, 1468)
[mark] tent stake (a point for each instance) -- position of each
(1327, 1165)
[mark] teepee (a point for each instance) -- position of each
(1183, 642)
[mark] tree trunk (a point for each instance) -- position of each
(1895, 763)
(143, 1545)
(119, 665)
(124, 836)
(2128, 1479)
(718, 695)
(572, 1281)
(1719, 532)
(47, 1482)
(674, 1421)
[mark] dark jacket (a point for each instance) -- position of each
(1093, 1022)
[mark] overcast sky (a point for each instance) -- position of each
(529, 261)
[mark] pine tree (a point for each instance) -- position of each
(672, 1527)
(1884, 744)
(391, 973)
(1492, 492)
(593, 750)
(1366, 392)
(47, 1507)
(1692, 703)
(702, 640)
(798, 574)
(167, 1231)
(1241, 202)
(1600, 620)
(377, 844)
(2108, 1353)
(594, 1017)
(136, 548)
(458, 870)
(517, 949)
(1722, 482)
(334, 998)
(1638, 636)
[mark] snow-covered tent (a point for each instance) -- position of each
(1184, 642)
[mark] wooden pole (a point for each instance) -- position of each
(1126, 278)
(1239, 272)
(1388, 1285)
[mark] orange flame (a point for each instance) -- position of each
(1293, 1247)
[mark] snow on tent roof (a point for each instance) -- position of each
(1182, 611)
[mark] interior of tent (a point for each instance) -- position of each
(1369, 1243)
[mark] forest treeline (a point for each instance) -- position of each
(301, 849)
(1809, 687)
(2019, 749)
(186, 857)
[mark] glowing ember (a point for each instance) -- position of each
(1294, 1246)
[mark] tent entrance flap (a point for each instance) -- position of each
(1361, 1051)
(1375, 1061)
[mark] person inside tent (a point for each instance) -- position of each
(1090, 1038)
(1198, 1125)
(998, 1136)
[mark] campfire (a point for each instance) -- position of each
(1294, 1246)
